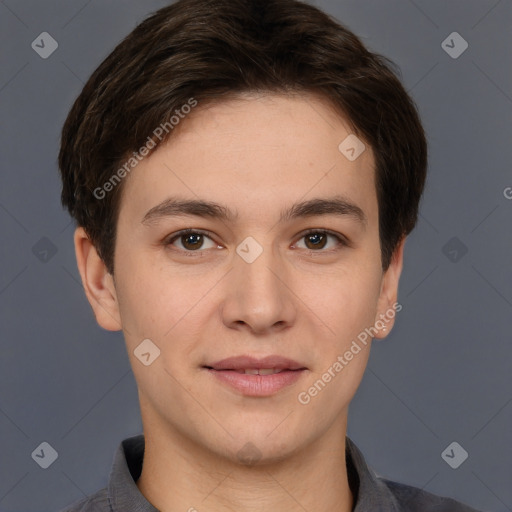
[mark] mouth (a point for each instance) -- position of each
(257, 377)
(270, 364)
(251, 371)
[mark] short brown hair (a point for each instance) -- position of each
(211, 50)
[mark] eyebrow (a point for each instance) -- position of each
(173, 206)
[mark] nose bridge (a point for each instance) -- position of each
(258, 265)
(258, 295)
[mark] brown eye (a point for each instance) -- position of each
(316, 240)
(190, 240)
(319, 239)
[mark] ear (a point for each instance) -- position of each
(98, 283)
(387, 304)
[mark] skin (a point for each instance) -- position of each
(256, 155)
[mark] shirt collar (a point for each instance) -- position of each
(370, 492)
(123, 493)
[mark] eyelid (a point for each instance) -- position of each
(174, 236)
(343, 241)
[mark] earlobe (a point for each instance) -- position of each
(388, 299)
(98, 282)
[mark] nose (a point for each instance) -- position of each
(258, 295)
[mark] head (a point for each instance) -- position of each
(229, 117)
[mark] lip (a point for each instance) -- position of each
(249, 362)
(226, 372)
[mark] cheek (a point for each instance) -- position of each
(163, 305)
(345, 301)
(347, 307)
(146, 302)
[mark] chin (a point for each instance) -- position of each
(256, 448)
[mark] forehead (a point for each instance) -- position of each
(257, 152)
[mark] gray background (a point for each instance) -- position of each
(444, 373)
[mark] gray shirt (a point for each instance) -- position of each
(371, 493)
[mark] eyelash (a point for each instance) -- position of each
(342, 241)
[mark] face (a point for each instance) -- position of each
(285, 266)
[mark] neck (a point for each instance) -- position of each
(179, 475)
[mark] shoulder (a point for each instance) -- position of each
(413, 498)
(97, 502)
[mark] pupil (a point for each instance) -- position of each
(319, 239)
(196, 241)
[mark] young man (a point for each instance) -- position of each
(244, 175)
